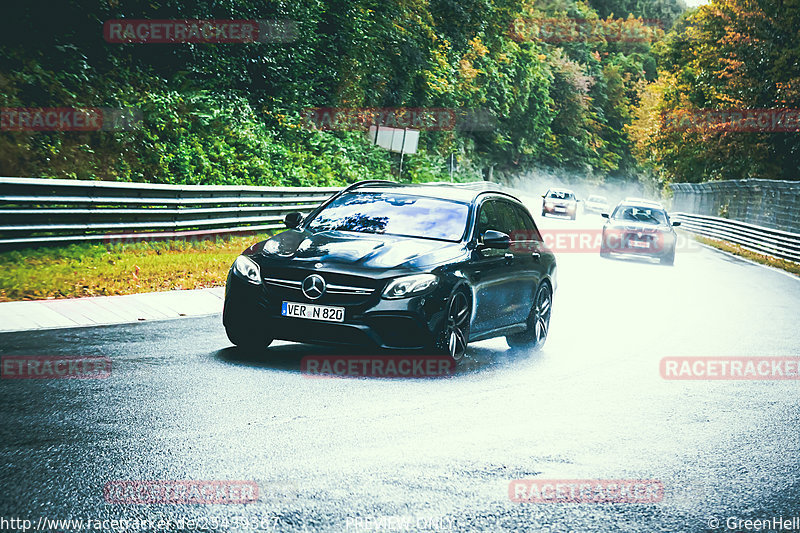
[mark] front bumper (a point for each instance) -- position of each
(658, 244)
(372, 322)
(564, 210)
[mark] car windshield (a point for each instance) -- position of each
(560, 195)
(646, 215)
(394, 214)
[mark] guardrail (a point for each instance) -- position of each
(768, 203)
(777, 243)
(36, 211)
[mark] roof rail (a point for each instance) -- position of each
(362, 183)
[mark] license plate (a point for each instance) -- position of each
(639, 244)
(313, 312)
(561, 209)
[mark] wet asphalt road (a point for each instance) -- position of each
(181, 403)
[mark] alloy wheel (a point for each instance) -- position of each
(456, 329)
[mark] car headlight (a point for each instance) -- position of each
(409, 285)
(548, 204)
(246, 268)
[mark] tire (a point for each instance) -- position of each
(669, 259)
(574, 216)
(538, 321)
(544, 213)
(247, 340)
(454, 336)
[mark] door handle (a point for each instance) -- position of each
(536, 255)
(509, 257)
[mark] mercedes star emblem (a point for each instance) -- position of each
(313, 286)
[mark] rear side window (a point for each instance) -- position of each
(531, 232)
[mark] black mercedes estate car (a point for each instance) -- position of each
(395, 266)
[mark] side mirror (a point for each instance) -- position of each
(293, 219)
(495, 239)
(604, 215)
(676, 223)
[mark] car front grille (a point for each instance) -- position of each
(331, 288)
(340, 289)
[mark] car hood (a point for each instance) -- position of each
(360, 250)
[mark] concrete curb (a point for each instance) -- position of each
(105, 310)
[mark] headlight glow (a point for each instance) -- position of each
(409, 286)
(247, 269)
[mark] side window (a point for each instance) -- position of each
(508, 218)
(510, 221)
(529, 226)
(486, 214)
(489, 217)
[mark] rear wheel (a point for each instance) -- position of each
(669, 259)
(538, 321)
(455, 334)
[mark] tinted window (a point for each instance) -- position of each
(497, 216)
(394, 214)
(559, 195)
(527, 224)
(646, 215)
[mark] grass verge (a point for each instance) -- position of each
(80, 270)
(788, 266)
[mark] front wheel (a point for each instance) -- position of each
(455, 334)
(538, 322)
(247, 340)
